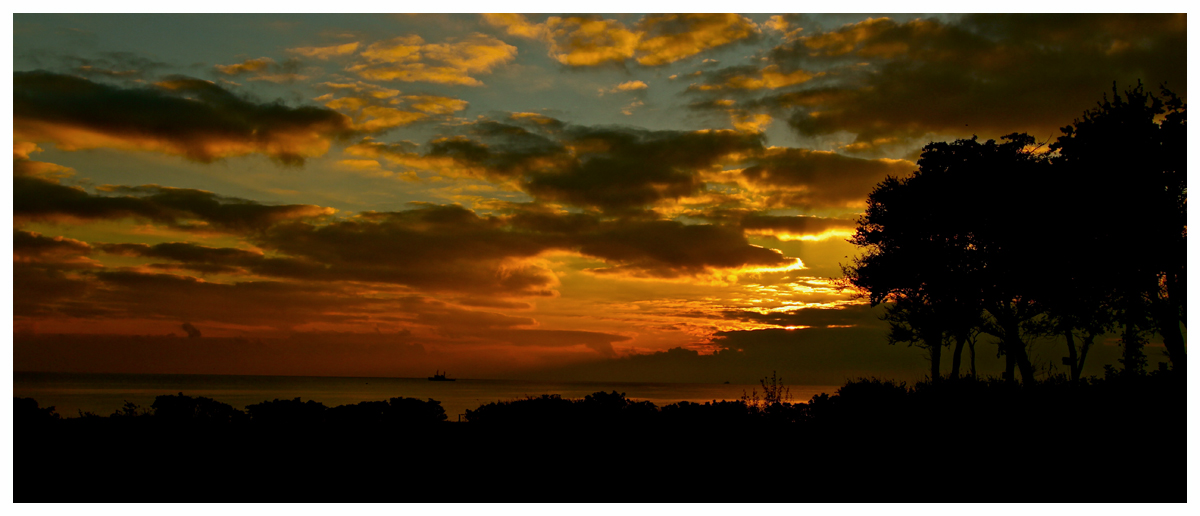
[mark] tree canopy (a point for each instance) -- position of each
(1016, 239)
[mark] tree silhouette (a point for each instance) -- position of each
(1129, 154)
(945, 245)
(1003, 239)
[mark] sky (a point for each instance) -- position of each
(655, 197)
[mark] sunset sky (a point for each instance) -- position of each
(504, 195)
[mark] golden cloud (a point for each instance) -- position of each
(625, 86)
(590, 41)
(671, 37)
(248, 66)
(326, 52)
(767, 78)
(375, 110)
(657, 39)
(410, 59)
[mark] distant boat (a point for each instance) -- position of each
(440, 378)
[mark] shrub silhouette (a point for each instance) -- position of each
(598, 408)
(287, 412)
(395, 411)
(26, 411)
(186, 409)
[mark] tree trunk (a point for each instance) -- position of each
(1010, 364)
(1168, 326)
(1083, 351)
(933, 339)
(961, 339)
(1015, 348)
(971, 342)
(1072, 357)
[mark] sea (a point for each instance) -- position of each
(102, 394)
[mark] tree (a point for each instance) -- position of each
(1129, 155)
(945, 245)
(1000, 238)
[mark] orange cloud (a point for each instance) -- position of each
(767, 78)
(671, 37)
(410, 59)
(248, 66)
(656, 39)
(378, 109)
(625, 86)
(326, 52)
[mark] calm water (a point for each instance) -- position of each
(104, 393)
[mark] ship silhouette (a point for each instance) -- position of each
(440, 377)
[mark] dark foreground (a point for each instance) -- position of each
(1115, 440)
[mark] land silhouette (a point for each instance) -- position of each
(998, 240)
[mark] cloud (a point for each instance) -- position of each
(625, 86)
(36, 199)
(609, 168)
(326, 52)
(842, 316)
(781, 227)
(31, 247)
(655, 40)
(248, 66)
(181, 116)
(787, 24)
(589, 40)
(264, 69)
(113, 65)
(454, 250)
(391, 354)
(668, 249)
(619, 169)
(410, 59)
(752, 78)
(435, 248)
(25, 167)
(376, 109)
(599, 342)
(671, 37)
(802, 178)
(978, 74)
(808, 357)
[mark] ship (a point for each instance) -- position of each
(440, 377)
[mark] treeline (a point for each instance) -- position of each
(1107, 439)
(1020, 240)
(976, 406)
(179, 410)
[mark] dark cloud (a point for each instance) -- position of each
(816, 356)
(30, 246)
(807, 357)
(189, 117)
(621, 168)
(761, 223)
(596, 341)
(848, 315)
(889, 82)
(614, 169)
(185, 252)
(301, 354)
(38, 199)
(797, 225)
(113, 65)
(664, 248)
(440, 248)
(801, 178)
